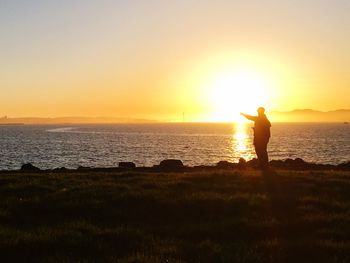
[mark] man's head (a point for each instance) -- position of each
(261, 111)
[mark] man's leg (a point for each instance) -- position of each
(264, 157)
(258, 152)
(261, 153)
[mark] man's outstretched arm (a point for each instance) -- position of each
(249, 117)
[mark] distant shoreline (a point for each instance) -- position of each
(11, 124)
(160, 123)
(297, 115)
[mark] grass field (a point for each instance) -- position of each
(222, 216)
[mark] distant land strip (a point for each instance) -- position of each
(298, 115)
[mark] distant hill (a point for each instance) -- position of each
(309, 115)
(298, 115)
(65, 120)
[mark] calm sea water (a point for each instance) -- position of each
(50, 146)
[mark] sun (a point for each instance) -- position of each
(236, 91)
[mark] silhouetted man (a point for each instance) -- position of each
(261, 136)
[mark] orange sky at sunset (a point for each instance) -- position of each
(158, 59)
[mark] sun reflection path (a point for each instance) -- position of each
(242, 146)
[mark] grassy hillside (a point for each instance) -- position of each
(223, 216)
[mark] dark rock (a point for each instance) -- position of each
(171, 165)
(225, 165)
(242, 163)
(83, 168)
(28, 167)
(299, 161)
(60, 169)
(289, 162)
(300, 164)
(254, 163)
(344, 166)
(277, 163)
(126, 165)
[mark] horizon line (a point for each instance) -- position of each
(290, 116)
(115, 117)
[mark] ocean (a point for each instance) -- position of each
(71, 146)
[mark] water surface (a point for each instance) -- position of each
(50, 146)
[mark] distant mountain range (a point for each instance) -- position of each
(298, 115)
(69, 120)
(309, 115)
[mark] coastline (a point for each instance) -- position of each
(175, 165)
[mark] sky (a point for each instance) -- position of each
(159, 59)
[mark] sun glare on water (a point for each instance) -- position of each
(241, 143)
(237, 91)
